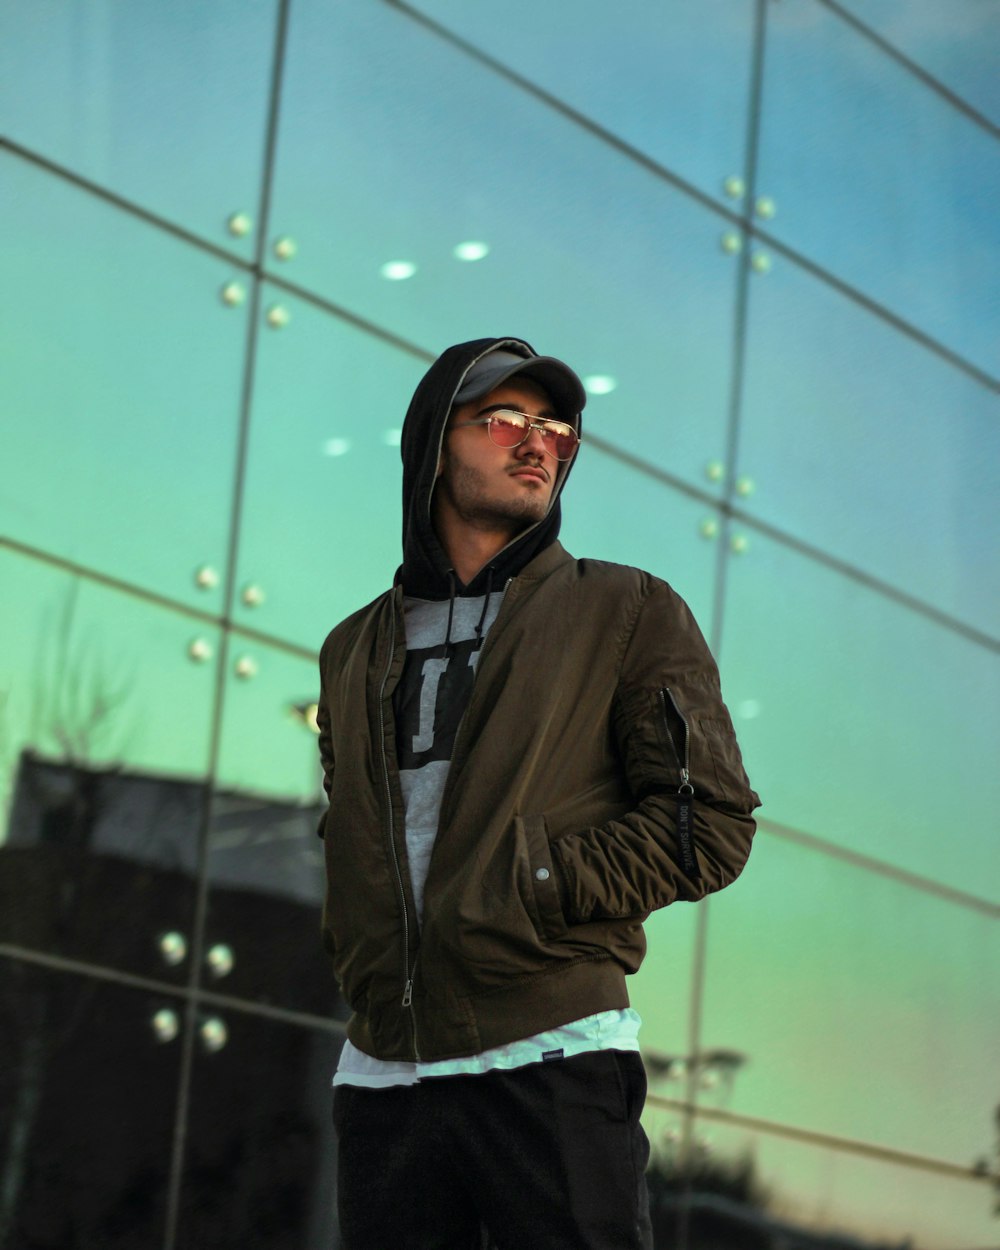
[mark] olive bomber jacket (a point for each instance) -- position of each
(595, 778)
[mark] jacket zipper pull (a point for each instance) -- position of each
(685, 825)
(408, 994)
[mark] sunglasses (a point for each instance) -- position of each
(510, 429)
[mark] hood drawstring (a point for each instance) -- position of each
(448, 646)
(446, 650)
(486, 607)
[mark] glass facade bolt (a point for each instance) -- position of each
(252, 595)
(213, 1034)
(731, 243)
(709, 528)
(738, 544)
(278, 316)
(240, 224)
(734, 187)
(246, 667)
(761, 262)
(206, 578)
(285, 248)
(765, 207)
(173, 948)
(233, 294)
(220, 960)
(199, 650)
(745, 486)
(715, 470)
(166, 1025)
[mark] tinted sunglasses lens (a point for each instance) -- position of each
(563, 443)
(507, 429)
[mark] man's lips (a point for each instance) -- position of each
(528, 470)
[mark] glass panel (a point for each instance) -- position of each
(321, 523)
(261, 1158)
(165, 104)
(105, 739)
(262, 931)
(868, 446)
(846, 991)
(88, 1085)
(863, 722)
(123, 366)
(672, 80)
(265, 861)
(760, 1190)
(588, 254)
(880, 180)
(613, 512)
(661, 993)
(96, 677)
(268, 742)
(956, 43)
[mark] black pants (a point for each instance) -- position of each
(550, 1156)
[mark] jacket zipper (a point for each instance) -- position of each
(407, 1001)
(685, 791)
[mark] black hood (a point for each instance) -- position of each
(426, 571)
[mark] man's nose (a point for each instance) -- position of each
(534, 444)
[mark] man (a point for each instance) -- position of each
(524, 754)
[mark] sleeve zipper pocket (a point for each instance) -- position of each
(685, 791)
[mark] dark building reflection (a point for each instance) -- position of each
(99, 869)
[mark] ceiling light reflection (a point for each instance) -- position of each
(599, 383)
(336, 447)
(472, 250)
(398, 270)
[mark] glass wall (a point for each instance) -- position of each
(232, 238)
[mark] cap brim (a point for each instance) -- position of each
(559, 381)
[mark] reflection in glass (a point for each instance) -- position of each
(320, 533)
(661, 993)
(862, 722)
(866, 445)
(104, 735)
(649, 526)
(88, 1085)
(930, 254)
(761, 1190)
(260, 1162)
(125, 381)
(164, 104)
(957, 44)
(100, 866)
(262, 929)
(268, 738)
(672, 80)
(629, 282)
(848, 990)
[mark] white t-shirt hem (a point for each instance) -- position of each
(607, 1030)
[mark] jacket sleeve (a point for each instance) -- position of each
(689, 832)
(325, 745)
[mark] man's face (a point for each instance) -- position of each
(497, 488)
